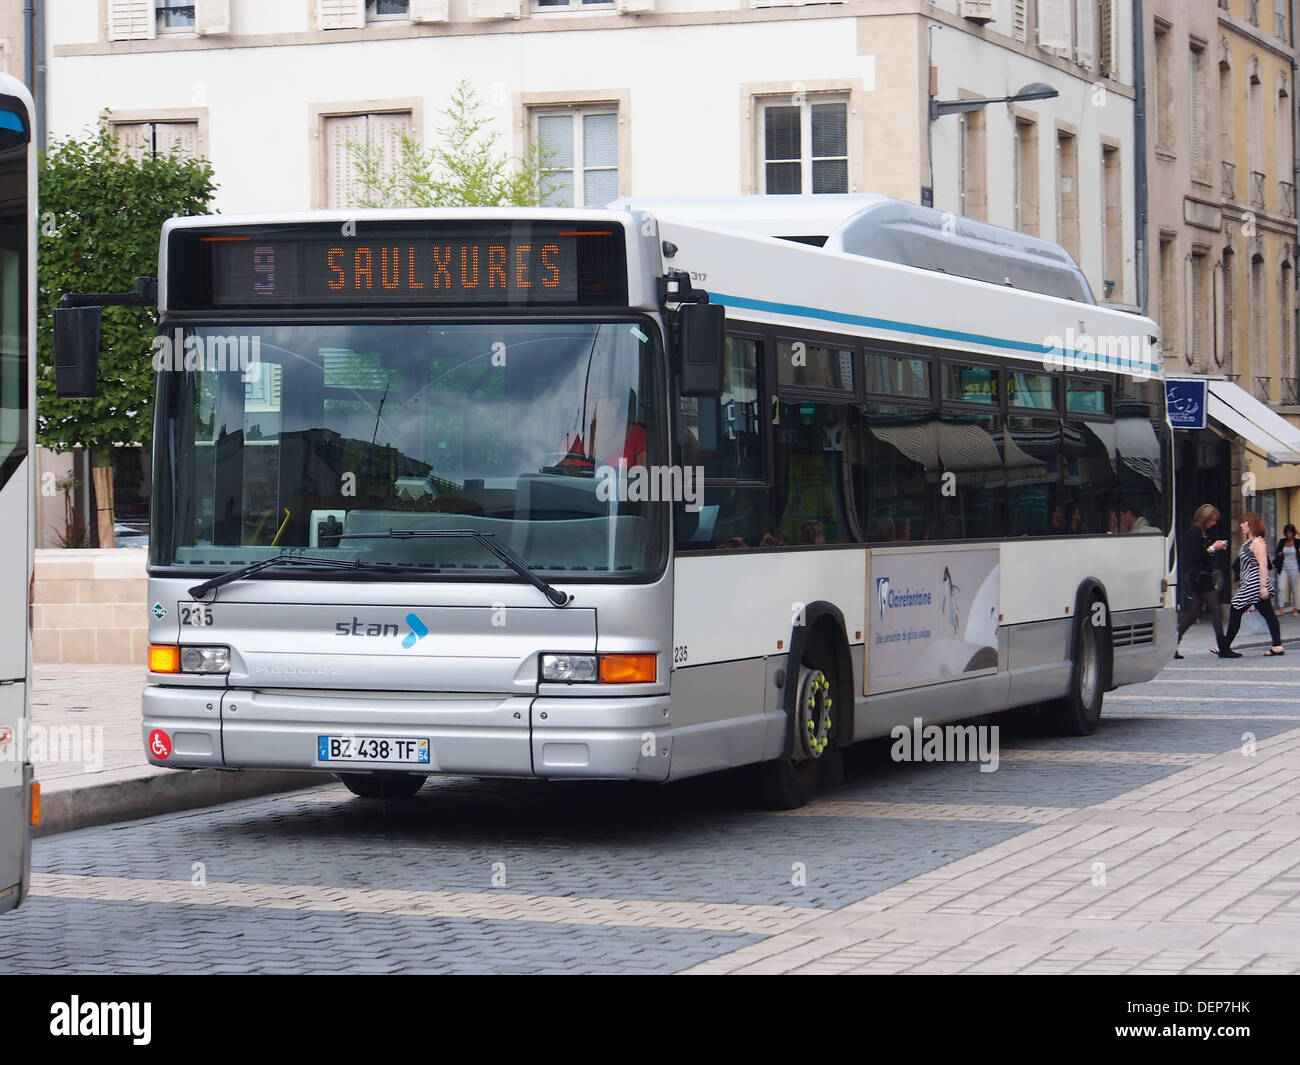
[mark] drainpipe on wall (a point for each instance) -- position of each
(29, 34)
(1140, 138)
(39, 94)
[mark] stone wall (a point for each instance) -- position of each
(89, 606)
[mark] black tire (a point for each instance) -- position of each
(789, 782)
(1079, 712)
(388, 785)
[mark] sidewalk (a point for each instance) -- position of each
(1200, 637)
(88, 752)
(1194, 872)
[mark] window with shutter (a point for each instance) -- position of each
(1085, 32)
(1020, 20)
(582, 147)
(131, 20)
(804, 147)
(142, 140)
(340, 14)
(1054, 26)
(382, 130)
(1197, 147)
(388, 10)
(175, 16)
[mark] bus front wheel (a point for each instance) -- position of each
(1079, 712)
(789, 782)
(382, 785)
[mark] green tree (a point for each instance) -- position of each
(467, 167)
(101, 213)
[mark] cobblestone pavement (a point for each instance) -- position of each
(1165, 842)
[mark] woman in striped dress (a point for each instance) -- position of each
(1256, 589)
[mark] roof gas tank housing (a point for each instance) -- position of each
(922, 237)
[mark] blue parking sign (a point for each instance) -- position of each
(1186, 401)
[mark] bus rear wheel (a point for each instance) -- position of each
(789, 782)
(382, 785)
(1079, 712)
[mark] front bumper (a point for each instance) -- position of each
(490, 735)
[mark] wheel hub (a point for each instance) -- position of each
(814, 718)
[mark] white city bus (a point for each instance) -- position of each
(17, 481)
(489, 493)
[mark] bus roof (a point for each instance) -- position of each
(877, 227)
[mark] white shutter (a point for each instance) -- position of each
(1085, 29)
(1198, 119)
(212, 17)
(489, 9)
(134, 139)
(340, 171)
(429, 10)
(341, 14)
(635, 7)
(1054, 25)
(182, 135)
(1109, 45)
(385, 130)
(131, 20)
(1020, 20)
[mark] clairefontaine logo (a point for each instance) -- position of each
(888, 598)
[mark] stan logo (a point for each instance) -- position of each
(418, 631)
(882, 594)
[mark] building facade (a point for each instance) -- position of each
(638, 97)
(1221, 119)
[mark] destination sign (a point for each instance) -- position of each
(403, 264)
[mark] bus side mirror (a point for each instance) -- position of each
(701, 332)
(76, 352)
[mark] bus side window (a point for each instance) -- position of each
(900, 475)
(722, 438)
(811, 473)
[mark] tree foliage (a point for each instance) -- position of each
(101, 214)
(465, 168)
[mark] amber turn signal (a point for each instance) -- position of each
(627, 669)
(36, 803)
(164, 658)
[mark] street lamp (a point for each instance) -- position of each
(1034, 91)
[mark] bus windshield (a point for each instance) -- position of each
(277, 438)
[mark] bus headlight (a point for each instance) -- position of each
(205, 659)
(569, 669)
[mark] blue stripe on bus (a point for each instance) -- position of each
(922, 330)
(11, 120)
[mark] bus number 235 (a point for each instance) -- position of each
(196, 615)
(679, 655)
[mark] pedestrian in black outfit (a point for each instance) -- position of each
(1256, 588)
(1197, 556)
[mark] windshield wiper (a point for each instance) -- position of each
(556, 597)
(277, 560)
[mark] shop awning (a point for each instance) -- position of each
(1264, 430)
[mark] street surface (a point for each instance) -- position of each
(1166, 842)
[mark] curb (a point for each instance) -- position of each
(129, 795)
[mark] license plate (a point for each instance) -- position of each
(409, 750)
